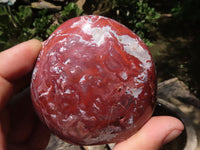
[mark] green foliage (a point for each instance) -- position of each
(21, 24)
(69, 11)
(41, 25)
(187, 12)
(176, 11)
(12, 24)
(136, 15)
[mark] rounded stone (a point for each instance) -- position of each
(94, 81)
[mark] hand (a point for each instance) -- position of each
(20, 129)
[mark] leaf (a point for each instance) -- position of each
(3, 11)
(24, 12)
(51, 29)
(4, 45)
(70, 11)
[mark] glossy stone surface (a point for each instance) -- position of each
(94, 81)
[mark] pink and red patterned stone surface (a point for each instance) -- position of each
(94, 81)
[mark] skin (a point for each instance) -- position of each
(20, 129)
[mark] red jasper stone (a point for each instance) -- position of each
(94, 81)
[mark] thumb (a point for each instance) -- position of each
(156, 132)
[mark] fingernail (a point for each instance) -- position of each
(172, 135)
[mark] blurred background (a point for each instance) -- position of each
(170, 28)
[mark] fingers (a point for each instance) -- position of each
(156, 132)
(2, 139)
(19, 60)
(4, 123)
(6, 89)
(15, 63)
(22, 118)
(26, 132)
(38, 141)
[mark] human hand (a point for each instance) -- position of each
(20, 129)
